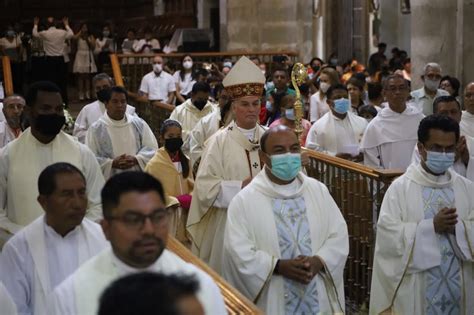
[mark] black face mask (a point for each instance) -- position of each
(173, 144)
(49, 125)
(103, 94)
(200, 104)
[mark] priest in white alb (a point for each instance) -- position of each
(120, 141)
(390, 137)
(209, 124)
(44, 253)
(467, 120)
(91, 113)
(423, 261)
(193, 109)
(10, 128)
(339, 131)
(23, 159)
(136, 223)
(286, 242)
(228, 163)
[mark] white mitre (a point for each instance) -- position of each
(244, 79)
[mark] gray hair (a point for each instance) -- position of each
(432, 65)
(102, 76)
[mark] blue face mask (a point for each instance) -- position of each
(439, 162)
(290, 114)
(269, 106)
(341, 106)
(286, 166)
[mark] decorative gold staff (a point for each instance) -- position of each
(298, 77)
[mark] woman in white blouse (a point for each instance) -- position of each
(317, 103)
(184, 79)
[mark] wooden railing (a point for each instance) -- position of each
(358, 191)
(7, 76)
(235, 302)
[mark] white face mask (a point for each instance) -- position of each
(324, 87)
(157, 67)
(432, 85)
(187, 65)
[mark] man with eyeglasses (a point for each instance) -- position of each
(390, 137)
(423, 261)
(11, 128)
(423, 98)
(450, 107)
(136, 223)
(42, 144)
(44, 253)
(285, 241)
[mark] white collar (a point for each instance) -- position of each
(124, 269)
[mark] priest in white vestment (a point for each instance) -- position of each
(136, 223)
(23, 159)
(423, 260)
(121, 142)
(339, 131)
(7, 305)
(286, 242)
(208, 125)
(390, 137)
(189, 113)
(229, 162)
(44, 253)
(464, 163)
(10, 127)
(467, 120)
(91, 113)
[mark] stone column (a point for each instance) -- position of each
(442, 32)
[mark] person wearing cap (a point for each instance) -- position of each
(229, 162)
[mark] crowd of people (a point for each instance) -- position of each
(225, 176)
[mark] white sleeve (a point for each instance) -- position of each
(61, 300)
(210, 296)
(35, 32)
(426, 251)
(313, 108)
(228, 189)
(462, 243)
(371, 157)
(7, 227)
(80, 127)
(144, 86)
(69, 32)
(95, 183)
(171, 85)
(470, 169)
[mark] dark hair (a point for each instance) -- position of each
(454, 83)
(201, 87)
(392, 77)
(356, 82)
(280, 68)
(182, 157)
(218, 88)
(43, 86)
(333, 88)
(382, 45)
(115, 89)
(255, 58)
(126, 182)
(146, 293)
(367, 109)
(131, 29)
(47, 178)
(374, 90)
(444, 99)
(203, 72)
(439, 122)
(316, 58)
(407, 60)
(181, 69)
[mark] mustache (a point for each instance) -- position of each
(149, 239)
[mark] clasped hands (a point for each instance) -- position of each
(301, 269)
(124, 162)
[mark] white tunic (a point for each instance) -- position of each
(188, 116)
(21, 162)
(390, 137)
(467, 130)
(332, 135)
(80, 293)
(88, 115)
(7, 306)
(407, 245)
(108, 139)
(157, 87)
(37, 259)
(251, 243)
(317, 107)
(6, 134)
(227, 160)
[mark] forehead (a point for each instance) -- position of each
(157, 59)
(338, 93)
(69, 180)
(281, 138)
(102, 82)
(13, 100)
(280, 73)
(442, 137)
(396, 82)
(118, 95)
(48, 98)
(247, 99)
(448, 106)
(431, 70)
(173, 129)
(140, 201)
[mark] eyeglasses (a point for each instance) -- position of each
(440, 149)
(394, 89)
(137, 220)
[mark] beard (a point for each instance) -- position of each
(14, 122)
(144, 258)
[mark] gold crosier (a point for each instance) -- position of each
(298, 77)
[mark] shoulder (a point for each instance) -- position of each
(166, 75)
(96, 125)
(417, 93)
(148, 76)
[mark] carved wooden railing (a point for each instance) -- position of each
(7, 76)
(235, 302)
(358, 191)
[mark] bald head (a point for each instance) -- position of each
(469, 98)
(278, 137)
